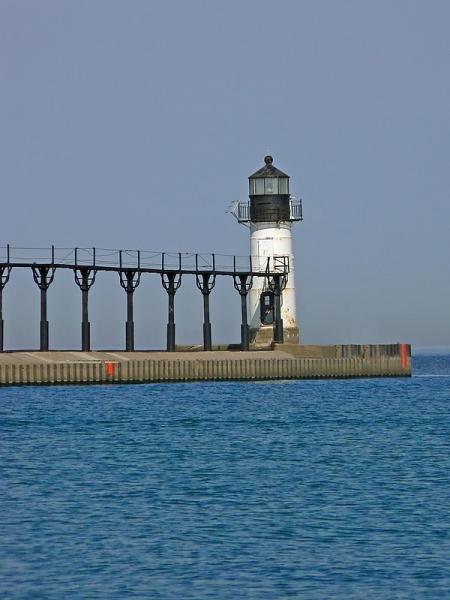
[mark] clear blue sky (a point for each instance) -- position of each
(135, 124)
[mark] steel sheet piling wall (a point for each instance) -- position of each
(31, 368)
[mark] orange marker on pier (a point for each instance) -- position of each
(404, 355)
(109, 368)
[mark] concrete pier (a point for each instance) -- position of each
(283, 362)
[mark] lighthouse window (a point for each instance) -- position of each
(283, 185)
(259, 186)
(251, 186)
(271, 185)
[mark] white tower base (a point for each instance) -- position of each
(272, 240)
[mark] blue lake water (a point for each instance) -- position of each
(306, 489)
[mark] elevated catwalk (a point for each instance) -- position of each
(130, 266)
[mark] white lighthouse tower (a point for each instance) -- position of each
(270, 214)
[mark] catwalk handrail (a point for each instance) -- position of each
(142, 261)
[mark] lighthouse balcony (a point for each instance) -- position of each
(271, 213)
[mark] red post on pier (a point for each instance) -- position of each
(109, 368)
(404, 355)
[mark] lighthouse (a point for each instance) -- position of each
(270, 214)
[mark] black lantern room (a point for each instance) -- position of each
(269, 194)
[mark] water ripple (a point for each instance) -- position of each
(309, 489)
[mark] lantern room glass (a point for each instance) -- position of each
(283, 185)
(269, 186)
(259, 186)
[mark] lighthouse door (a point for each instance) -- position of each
(266, 305)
